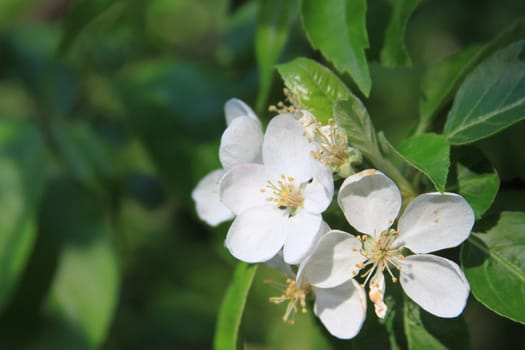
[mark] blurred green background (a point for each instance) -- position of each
(111, 112)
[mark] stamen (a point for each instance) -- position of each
(286, 194)
(291, 104)
(293, 294)
(380, 256)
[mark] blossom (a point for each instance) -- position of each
(432, 221)
(240, 143)
(278, 203)
(341, 308)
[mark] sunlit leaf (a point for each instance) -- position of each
(338, 29)
(495, 266)
(315, 87)
(429, 153)
(232, 308)
(491, 98)
(274, 20)
(425, 331)
(394, 53)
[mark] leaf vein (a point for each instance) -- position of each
(515, 270)
(484, 118)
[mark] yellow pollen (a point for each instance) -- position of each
(334, 149)
(286, 194)
(380, 256)
(293, 295)
(291, 104)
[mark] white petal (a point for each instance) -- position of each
(241, 142)
(286, 149)
(234, 108)
(435, 221)
(370, 201)
(240, 188)
(257, 234)
(333, 261)
(208, 204)
(277, 262)
(436, 284)
(302, 232)
(308, 121)
(317, 197)
(377, 293)
(342, 309)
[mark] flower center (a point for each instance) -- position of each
(334, 150)
(286, 194)
(380, 254)
(295, 296)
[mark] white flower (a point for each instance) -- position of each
(341, 308)
(241, 142)
(333, 148)
(432, 221)
(278, 203)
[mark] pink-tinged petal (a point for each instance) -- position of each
(302, 232)
(234, 108)
(241, 142)
(370, 201)
(434, 221)
(240, 188)
(257, 234)
(208, 204)
(286, 149)
(316, 197)
(436, 284)
(333, 260)
(342, 309)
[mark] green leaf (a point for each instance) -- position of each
(491, 98)
(338, 29)
(274, 20)
(351, 115)
(10, 9)
(83, 296)
(495, 266)
(479, 190)
(430, 154)
(87, 157)
(425, 331)
(394, 53)
(441, 81)
(232, 308)
(81, 13)
(315, 87)
(21, 183)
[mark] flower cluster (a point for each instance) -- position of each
(276, 187)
